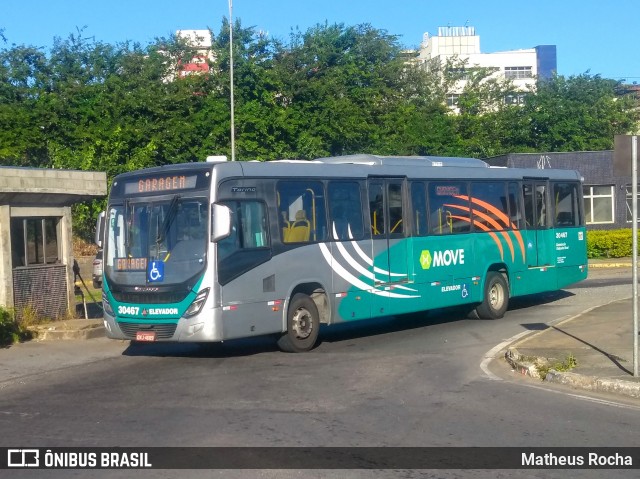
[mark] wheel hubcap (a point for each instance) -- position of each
(302, 323)
(496, 296)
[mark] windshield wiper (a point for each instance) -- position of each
(168, 220)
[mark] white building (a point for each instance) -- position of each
(201, 40)
(520, 66)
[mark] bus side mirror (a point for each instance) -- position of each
(220, 222)
(100, 229)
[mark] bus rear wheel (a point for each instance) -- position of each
(303, 325)
(496, 297)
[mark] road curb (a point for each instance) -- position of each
(65, 331)
(609, 265)
(528, 366)
(593, 383)
(525, 365)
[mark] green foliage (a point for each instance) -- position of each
(330, 90)
(578, 113)
(12, 330)
(609, 243)
(8, 328)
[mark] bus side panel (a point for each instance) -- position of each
(539, 273)
(254, 303)
(443, 270)
(571, 254)
(352, 279)
(250, 304)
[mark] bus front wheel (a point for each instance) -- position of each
(496, 297)
(303, 325)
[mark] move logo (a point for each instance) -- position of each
(441, 258)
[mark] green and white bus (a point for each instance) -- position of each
(220, 250)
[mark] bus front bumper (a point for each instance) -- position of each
(195, 329)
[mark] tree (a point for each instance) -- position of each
(577, 113)
(338, 86)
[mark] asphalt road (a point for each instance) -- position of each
(410, 381)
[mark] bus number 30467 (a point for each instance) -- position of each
(128, 310)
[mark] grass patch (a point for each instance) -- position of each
(568, 364)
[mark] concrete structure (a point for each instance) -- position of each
(519, 66)
(607, 197)
(36, 256)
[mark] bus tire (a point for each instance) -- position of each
(303, 325)
(496, 297)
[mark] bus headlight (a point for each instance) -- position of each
(106, 306)
(197, 304)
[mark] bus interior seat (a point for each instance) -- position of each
(286, 227)
(300, 229)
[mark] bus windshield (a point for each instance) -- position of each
(161, 241)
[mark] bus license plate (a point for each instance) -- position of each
(145, 336)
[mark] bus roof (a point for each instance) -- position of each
(362, 166)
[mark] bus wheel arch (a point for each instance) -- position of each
(307, 308)
(495, 296)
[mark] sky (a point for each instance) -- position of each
(593, 36)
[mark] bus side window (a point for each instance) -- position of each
(395, 208)
(535, 205)
(515, 214)
(345, 207)
(449, 205)
(566, 205)
(419, 207)
(376, 209)
(541, 205)
(301, 210)
(490, 206)
(529, 206)
(248, 228)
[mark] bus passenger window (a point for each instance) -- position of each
(376, 209)
(515, 214)
(395, 208)
(449, 208)
(345, 208)
(301, 211)
(565, 198)
(248, 228)
(541, 205)
(419, 204)
(529, 209)
(535, 205)
(490, 207)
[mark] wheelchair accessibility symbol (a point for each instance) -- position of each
(464, 292)
(155, 272)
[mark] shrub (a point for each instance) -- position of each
(12, 330)
(609, 243)
(9, 330)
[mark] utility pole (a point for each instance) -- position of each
(233, 134)
(634, 233)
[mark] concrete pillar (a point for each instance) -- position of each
(66, 251)
(6, 276)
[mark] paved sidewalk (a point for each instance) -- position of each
(599, 341)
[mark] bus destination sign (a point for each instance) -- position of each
(131, 264)
(160, 184)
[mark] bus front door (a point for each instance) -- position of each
(388, 244)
